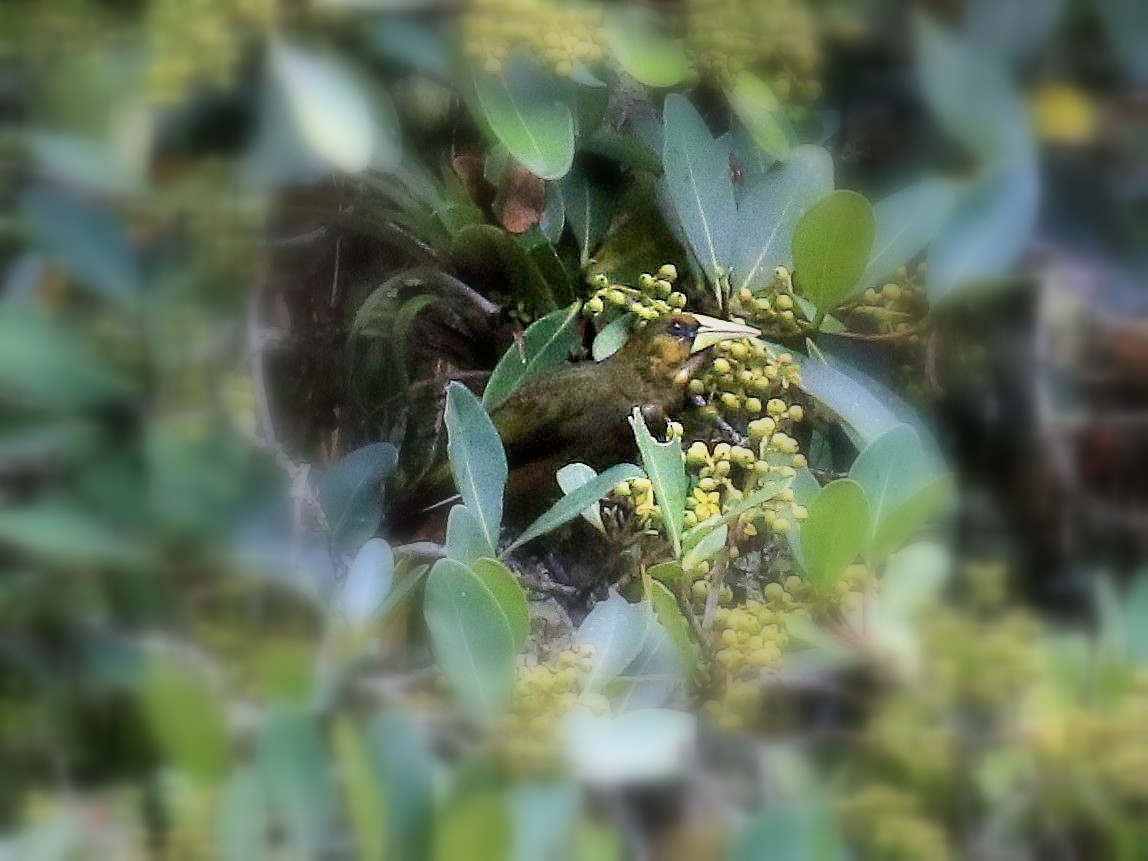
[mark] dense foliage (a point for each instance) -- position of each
(274, 584)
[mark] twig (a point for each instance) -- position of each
(421, 549)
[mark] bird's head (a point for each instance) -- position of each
(675, 346)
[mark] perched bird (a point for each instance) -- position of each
(579, 412)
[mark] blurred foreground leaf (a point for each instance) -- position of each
(351, 494)
(186, 715)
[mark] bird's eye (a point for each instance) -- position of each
(677, 329)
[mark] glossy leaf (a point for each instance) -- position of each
(477, 459)
(831, 247)
(902, 521)
(770, 211)
(295, 770)
(697, 176)
(612, 338)
(972, 95)
(547, 343)
(89, 241)
(646, 53)
(527, 116)
(242, 822)
(616, 629)
(351, 493)
(762, 114)
(987, 233)
(477, 826)
(666, 468)
(472, 639)
(511, 600)
(185, 715)
(331, 109)
(366, 802)
(576, 475)
(784, 832)
(575, 503)
(465, 541)
(367, 584)
(587, 211)
(835, 533)
(906, 222)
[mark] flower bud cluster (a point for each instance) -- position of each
(193, 43)
(743, 382)
(890, 823)
(561, 35)
(544, 692)
(895, 307)
(636, 497)
(724, 475)
(774, 38)
(654, 296)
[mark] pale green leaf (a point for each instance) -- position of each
(477, 459)
(508, 594)
(465, 541)
(666, 469)
(762, 114)
(186, 717)
(835, 533)
(547, 343)
(831, 247)
(643, 49)
(366, 802)
(906, 222)
(575, 503)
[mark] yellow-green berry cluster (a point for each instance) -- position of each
(544, 692)
(774, 38)
(743, 382)
(724, 475)
(891, 824)
(561, 35)
(774, 309)
(895, 307)
(654, 296)
(195, 43)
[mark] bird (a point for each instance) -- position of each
(579, 412)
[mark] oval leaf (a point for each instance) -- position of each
(545, 344)
(368, 583)
(294, 768)
(835, 533)
(573, 476)
(770, 211)
(477, 459)
(645, 53)
(906, 222)
(762, 114)
(831, 247)
(351, 493)
(697, 175)
(186, 717)
(509, 596)
(472, 639)
(666, 469)
(616, 629)
(577, 502)
(330, 108)
(465, 541)
(528, 119)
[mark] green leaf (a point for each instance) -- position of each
(576, 475)
(477, 826)
(906, 222)
(543, 817)
(1012, 30)
(525, 113)
(762, 114)
(902, 522)
(400, 338)
(697, 175)
(612, 338)
(488, 255)
(835, 533)
(889, 469)
(48, 364)
(706, 547)
(784, 832)
(666, 469)
(511, 600)
(643, 49)
(401, 757)
(1127, 24)
(465, 541)
(587, 211)
(831, 247)
(770, 211)
(330, 108)
(242, 821)
(89, 241)
(294, 769)
(987, 233)
(367, 584)
(186, 717)
(351, 494)
(62, 534)
(577, 502)
(595, 841)
(472, 639)
(86, 164)
(616, 629)
(546, 344)
(670, 616)
(972, 95)
(477, 459)
(366, 802)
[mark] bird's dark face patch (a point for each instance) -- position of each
(683, 328)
